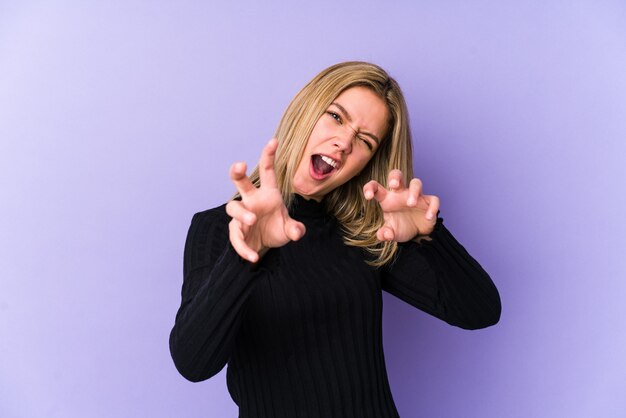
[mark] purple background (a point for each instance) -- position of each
(118, 121)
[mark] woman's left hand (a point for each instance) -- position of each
(407, 212)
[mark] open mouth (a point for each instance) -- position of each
(322, 166)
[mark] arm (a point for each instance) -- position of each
(216, 285)
(441, 278)
(217, 279)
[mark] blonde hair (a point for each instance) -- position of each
(360, 218)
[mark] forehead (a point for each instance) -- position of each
(366, 109)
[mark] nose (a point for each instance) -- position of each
(343, 141)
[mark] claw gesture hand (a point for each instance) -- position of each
(260, 219)
(407, 212)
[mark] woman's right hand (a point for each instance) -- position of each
(260, 219)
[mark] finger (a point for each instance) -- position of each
(385, 233)
(238, 242)
(433, 206)
(266, 164)
(415, 189)
(235, 209)
(374, 189)
(294, 229)
(395, 180)
(242, 181)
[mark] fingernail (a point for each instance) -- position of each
(411, 201)
(429, 216)
(393, 183)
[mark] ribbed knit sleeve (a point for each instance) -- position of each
(216, 285)
(441, 278)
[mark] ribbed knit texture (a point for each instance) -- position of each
(301, 331)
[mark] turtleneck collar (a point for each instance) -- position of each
(304, 207)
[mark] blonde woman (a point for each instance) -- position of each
(284, 282)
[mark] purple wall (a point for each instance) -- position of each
(118, 121)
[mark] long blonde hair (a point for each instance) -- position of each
(360, 219)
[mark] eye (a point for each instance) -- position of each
(366, 142)
(334, 116)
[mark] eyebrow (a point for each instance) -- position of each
(347, 115)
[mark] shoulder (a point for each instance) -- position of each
(207, 237)
(209, 217)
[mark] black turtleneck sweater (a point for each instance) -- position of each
(301, 330)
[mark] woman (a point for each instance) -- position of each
(284, 282)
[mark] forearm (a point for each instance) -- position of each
(441, 278)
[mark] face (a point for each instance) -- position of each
(343, 141)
